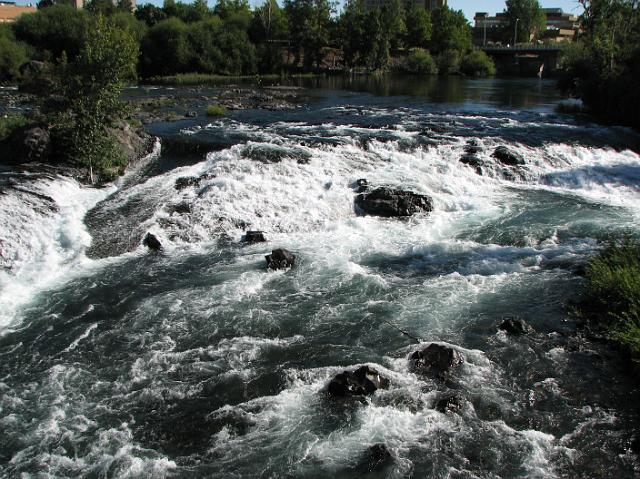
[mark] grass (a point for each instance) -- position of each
(611, 301)
(208, 78)
(216, 110)
(10, 122)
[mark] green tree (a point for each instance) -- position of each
(52, 31)
(268, 27)
(604, 67)
(103, 7)
(150, 14)
(165, 49)
(451, 31)
(12, 55)
(90, 88)
(418, 21)
(309, 24)
(529, 18)
(353, 32)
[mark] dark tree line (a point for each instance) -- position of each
(603, 67)
(233, 39)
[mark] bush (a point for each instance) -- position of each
(477, 63)
(11, 122)
(53, 30)
(421, 62)
(12, 55)
(216, 110)
(449, 62)
(612, 297)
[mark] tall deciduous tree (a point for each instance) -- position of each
(529, 18)
(451, 31)
(418, 21)
(309, 25)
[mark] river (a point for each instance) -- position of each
(199, 362)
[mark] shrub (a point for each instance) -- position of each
(216, 110)
(449, 62)
(477, 63)
(421, 62)
(10, 122)
(612, 297)
(12, 55)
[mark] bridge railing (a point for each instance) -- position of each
(523, 47)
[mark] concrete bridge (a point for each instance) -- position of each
(525, 59)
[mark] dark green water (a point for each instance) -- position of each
(198, 362)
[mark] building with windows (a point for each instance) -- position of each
(560, 26)
(9, 11)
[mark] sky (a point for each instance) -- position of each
(469, 7)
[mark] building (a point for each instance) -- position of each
(560, 26)
(430, 5)
(9, 11)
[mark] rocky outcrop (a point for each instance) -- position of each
(389, 202)
(187, 181)
(516, 327)
(507, 157)
(152, 242)
(436, 360)
(449, 403)
(132, 142)
(375, 458)
(361, 382)
(362, 185)
(280, 259)
(27, 144)
(252, 237)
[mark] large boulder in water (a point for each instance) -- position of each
(516, 327)
(436, 360)
(449, 403)
(280, 259)
(27, 144)
(389, 202)
(152, 242)
(507, 157)
(252, 237)
(375, 458)
(361, 382)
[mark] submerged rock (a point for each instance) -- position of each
(280, 259)
(507, 157)
(151, 242)
(252, 237)
(376, 457)
(516, 327)
(186, 181)
(361, 382)
(389, 202)
(449, 403)
(436, 359)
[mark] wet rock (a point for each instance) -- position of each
(516, 327)
(361, 382)
(389, 202)
(362, 185)
(449, 403)
(191, 114)
(280, 259)
(133, 143)
(37, 142)
(186, 181)
(181, 208)
(507, 157)
(252, 237)
(473, 147)
(473, 161)
(376, 457)
(151, 242)
(436, 359)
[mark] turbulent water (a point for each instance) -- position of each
(199, 362)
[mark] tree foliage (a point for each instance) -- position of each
(527, 16)
(604, 66)
(12, 55)
(450, 31)
(419, 27)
